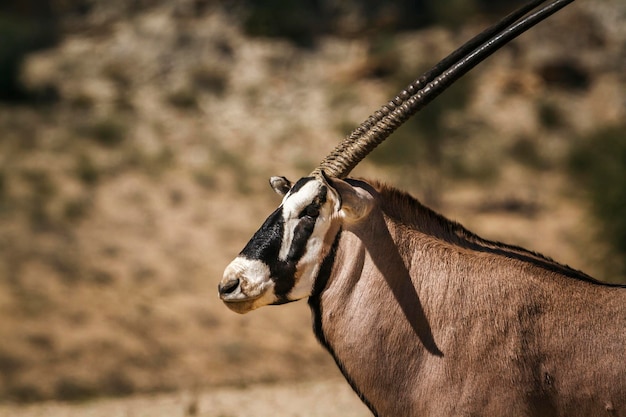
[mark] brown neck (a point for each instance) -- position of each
(407, 211)
(370, 285)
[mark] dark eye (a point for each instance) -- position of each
(312, 211)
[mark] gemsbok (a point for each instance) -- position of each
(423, 317)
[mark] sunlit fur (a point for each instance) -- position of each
(425, 318)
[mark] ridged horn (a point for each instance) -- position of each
(356, 146)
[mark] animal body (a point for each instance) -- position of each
(423, 317)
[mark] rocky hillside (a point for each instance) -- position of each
(130, 184)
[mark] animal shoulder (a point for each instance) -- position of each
(405, 209)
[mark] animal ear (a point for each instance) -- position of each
(281, 185)
(355, 202)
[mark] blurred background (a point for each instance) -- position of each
(137, 137)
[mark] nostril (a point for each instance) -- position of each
(228, 286)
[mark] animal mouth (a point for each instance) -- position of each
(245, 285)
(234, 295)
(241, 305)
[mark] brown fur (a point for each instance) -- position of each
(426, 318)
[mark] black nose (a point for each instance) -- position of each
(228, 286)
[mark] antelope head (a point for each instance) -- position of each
(282, 260)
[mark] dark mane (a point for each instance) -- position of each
(405, 209)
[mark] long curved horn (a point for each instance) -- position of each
(424, 89)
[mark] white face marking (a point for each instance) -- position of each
(249, 283)
(254, 277)
(316, 249)
(293, 204)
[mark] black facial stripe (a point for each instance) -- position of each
(266, 243)
(321, 198)
(283, 272)
(265, 247)
(301, 235)
(304, 229)
(284, 277)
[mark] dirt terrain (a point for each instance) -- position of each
(123, 198)
(304, 399)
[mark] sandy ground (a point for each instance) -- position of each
(312, 399)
